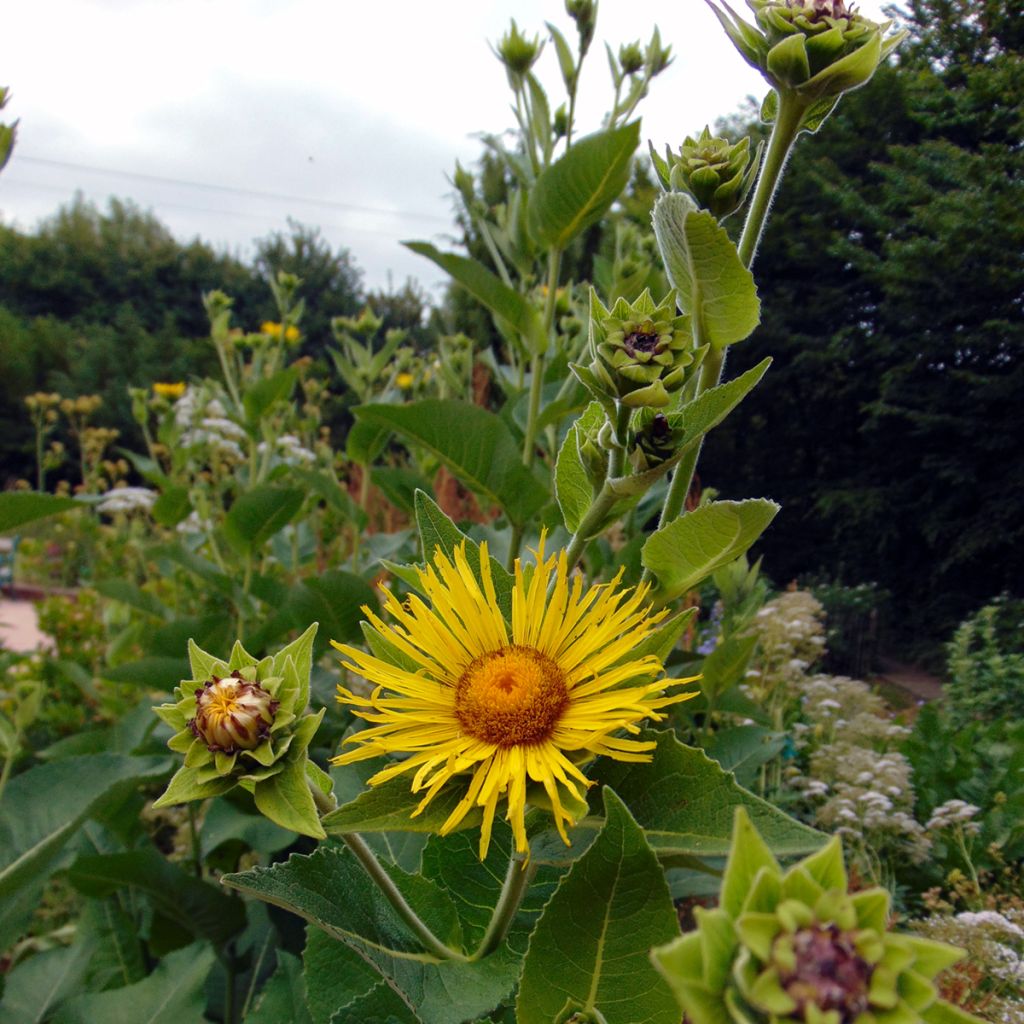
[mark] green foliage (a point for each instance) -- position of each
(986, 665)
(609, 971)
(890, 288)
(474, 443)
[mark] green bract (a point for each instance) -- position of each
(641, 352)
(796, 946)
(817, 49)
(717, 173)
(243, 722)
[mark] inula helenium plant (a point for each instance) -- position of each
(473, 756)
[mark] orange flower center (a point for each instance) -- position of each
(511, 697)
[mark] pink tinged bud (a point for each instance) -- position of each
(232, 714)
(825, 970)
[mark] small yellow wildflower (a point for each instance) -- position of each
(405, 381)
(173, 390)
(274, 330)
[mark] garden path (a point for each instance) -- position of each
(19, 627)
(915, 681)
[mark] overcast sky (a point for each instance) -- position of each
(345, 115)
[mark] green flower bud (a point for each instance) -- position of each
(654, 440)
(584, 13)
(717, 173)
(631, 58)
(518, 53)
(640, 351)
(796, 946)
(814, 49)
(243, 721)
(232, 714)
(560, 122)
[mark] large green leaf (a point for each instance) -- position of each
(610, 909)
(489, 290)
(173, 994)
(172, 506)
(20, 507)
(40, 812)
(686, 803)
(259, 397)
(201, 908)
(341, 986)
(573, 488)
(37, 986)
(710, 407)
(112, 937)
(578, 189)
(154, 672)
(258, 514)
(365, 441)
(438, 531)
(441, 992)
(473, 443)
(742, 750)
(128, 593)
(692, 547)
(703, 266)
(389, 808)
(283, 998)
(335, 599)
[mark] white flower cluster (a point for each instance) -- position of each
(955, 813)
(193, 523)
(791, 638)
(994, 942)
(840, 708)
(870, 797)
(290, 450)
(127, 499)
(207, 425)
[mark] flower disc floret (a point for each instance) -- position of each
(495, 705)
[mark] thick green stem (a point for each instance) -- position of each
(517, 881)
(784, 132)
(325, 803)
(538, 361)
(682, 476)
(606, 497)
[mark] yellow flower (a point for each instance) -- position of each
(503, 704)
(404, 381)
(175, 390)
(274, 330)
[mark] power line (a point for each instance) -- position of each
(11, 180)
(231, 189)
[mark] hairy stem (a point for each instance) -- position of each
(517, 881)
(784, 133)
(325, 803)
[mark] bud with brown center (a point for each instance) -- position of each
(795, 946)
(244, 720)
(232, 714)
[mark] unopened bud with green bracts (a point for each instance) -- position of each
(794, 945)
(717, 173)
(641, 352)
(517, 53)
(816, 49)
(244, 722)
(654, 439)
